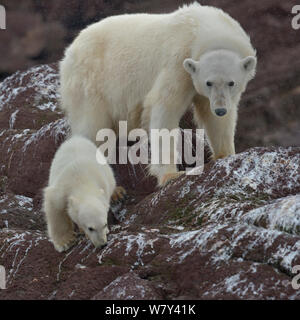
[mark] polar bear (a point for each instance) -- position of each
(148, 69)
(79, 191)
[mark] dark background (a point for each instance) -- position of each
(39, 30)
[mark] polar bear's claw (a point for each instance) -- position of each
(170, 176)
(119, 194)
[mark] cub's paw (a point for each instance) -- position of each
(119, 194)
(65, 243)
(169, 177)
(81, 231)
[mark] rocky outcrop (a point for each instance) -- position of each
(231, 233)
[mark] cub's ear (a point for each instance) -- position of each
(248, 64)
(190, 66)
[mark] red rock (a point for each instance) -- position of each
(130, 287)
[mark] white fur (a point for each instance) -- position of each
(79, 192)
(130, 67)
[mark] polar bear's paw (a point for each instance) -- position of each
(119, 194)
(169, 177)
(219, 156)
(65, 243)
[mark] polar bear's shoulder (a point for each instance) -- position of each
(214, 29)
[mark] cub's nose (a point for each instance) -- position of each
(221, 112)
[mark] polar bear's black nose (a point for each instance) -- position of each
(221, 112)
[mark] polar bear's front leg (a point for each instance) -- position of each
(219, 130)
(162, 171)
(59, 224)
(164, 107)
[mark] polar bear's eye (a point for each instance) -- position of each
(209, 84)
(91, 229)
(231, 83)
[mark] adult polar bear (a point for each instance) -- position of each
(149, 69)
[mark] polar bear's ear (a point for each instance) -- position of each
(190, 65)
(249, 64)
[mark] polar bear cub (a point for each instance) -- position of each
(79, 192)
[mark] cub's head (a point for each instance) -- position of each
(91, 216)
(221, 76)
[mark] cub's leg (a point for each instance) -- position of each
(59, 224)
(219, 130)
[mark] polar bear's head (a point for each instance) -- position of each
(221, 76)
(90, 215)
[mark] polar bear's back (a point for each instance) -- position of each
(148, 33)
(77, 147)
(121, 49)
